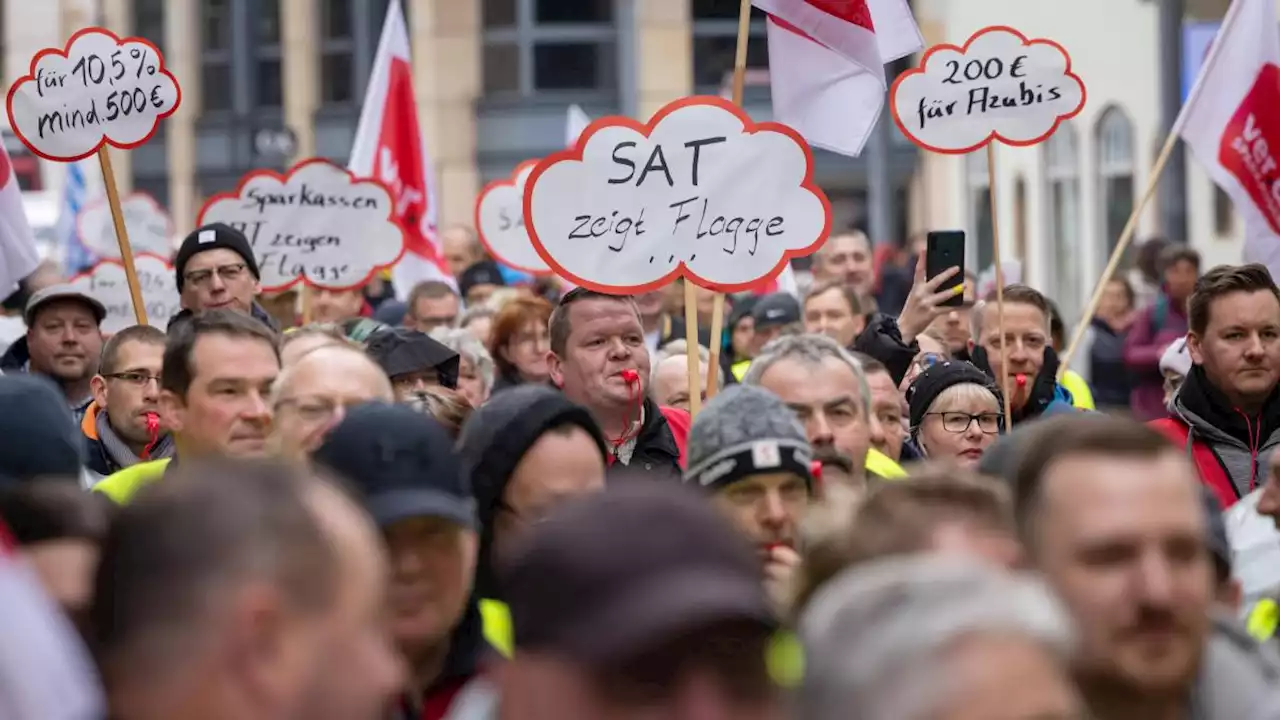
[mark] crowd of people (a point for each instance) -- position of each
(490, 500)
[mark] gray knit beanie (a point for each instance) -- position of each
(744, 431)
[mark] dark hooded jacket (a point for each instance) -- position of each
(256, 311)
(882, 340)
(495, 439)
(1047, 397)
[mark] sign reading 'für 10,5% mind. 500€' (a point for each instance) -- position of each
(99, 89)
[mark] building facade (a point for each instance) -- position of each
(494, 79)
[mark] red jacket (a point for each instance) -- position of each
(1212, 472)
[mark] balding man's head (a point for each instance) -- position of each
(310, 395)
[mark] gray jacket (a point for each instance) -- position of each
(1236, 457)
(1239, 678)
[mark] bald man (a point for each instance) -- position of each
(311, 395)
(669, 386)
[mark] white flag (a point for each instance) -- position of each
(826, 65)
(18, 255)
(1231, 122)
(389, 146)
(576, 121)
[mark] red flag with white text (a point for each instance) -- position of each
(826, 65)
(1231, 122)
(389, 146)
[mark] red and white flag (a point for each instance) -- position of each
(826, 65)
(389, 147)
(1231, 122)
(18, 255)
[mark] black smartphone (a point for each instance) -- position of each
(945, 249)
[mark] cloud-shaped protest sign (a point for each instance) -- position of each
(317, 224)
(146, 223)
(99, 89)
(699, 191)
(998, 86)
(500, 222)
(106, 282)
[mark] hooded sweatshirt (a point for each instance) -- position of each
(494, 440)
(1047, 396)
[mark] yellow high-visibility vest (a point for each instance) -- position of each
(122, 485)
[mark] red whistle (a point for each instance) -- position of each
(630, 376)
(1021, 380)
(153, 433)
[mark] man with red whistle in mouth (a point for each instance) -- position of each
(1024, 353)
(748, 450)
(122, 427)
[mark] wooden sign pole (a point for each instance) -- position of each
(122, 235)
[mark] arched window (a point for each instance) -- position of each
(979, 192)
(1116, 173)
(1062, 193)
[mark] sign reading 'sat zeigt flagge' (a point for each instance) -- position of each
(317, 224)
(699, 191)
(998, 86)
(98, 89)
(106, 283)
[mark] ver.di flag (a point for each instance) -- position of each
(826, 65)
(1231, 123)
(389, 146)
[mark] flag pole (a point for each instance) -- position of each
(995, 248)
(122, 236)
(717, 304)
(1126, 235)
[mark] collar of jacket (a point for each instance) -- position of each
(654, 436)
(1199, 397)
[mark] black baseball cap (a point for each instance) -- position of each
(401, 462)
(614, 575)
(776, 309)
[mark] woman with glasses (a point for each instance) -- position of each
(955, 412)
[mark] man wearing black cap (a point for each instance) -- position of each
(657, 605)
(775, 314)
(524, 452)
(408, 477)
(413, 360)
(62, 343)
(479, 281)
(216, 268)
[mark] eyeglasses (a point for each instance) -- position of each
(958, 422)
(228, 273)
(310, 409)
(137, 379)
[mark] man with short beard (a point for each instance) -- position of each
(1226, 415)
(62, 343)
(1111, 515)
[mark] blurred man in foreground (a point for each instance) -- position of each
(260, 604)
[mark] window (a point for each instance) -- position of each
(337, 49)
(1062, 193)
(220, 53)
(715, 43)
(269, 85)
(1224, 212)
(534, 46)
(1115, 176)
(148, 21)
(979, 184)
(215, 62)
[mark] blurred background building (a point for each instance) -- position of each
(266, 82)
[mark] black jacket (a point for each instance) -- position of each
(256, 311)
(1108, 373)
(657, 452)
(882, 340)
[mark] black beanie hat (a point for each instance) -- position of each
(42, 437)
(485, 272)
(931, 383)
(494, 440)
(212, 237)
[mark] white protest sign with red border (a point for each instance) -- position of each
(316, 224)
(148, 225)
(106, 283)
(699, 191)
(999, 85)
(500, 222)
(98, 89)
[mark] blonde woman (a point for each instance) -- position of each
(955, 412)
